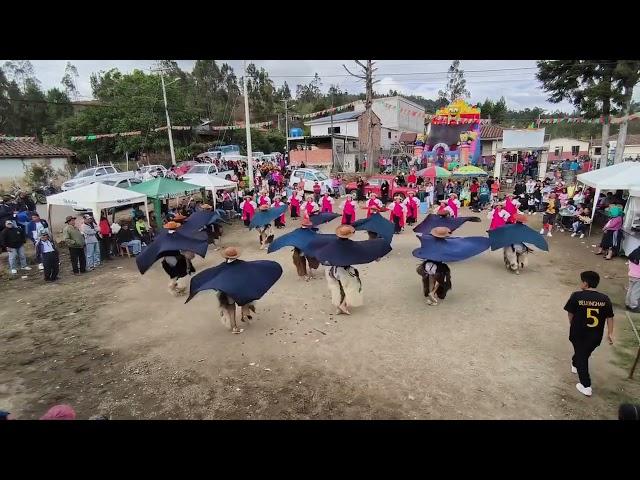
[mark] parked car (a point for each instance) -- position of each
(183, 167)
(309, 176)
(156, 170)
(204, 169)
(124, 183)
(94, 174)
(373, 185)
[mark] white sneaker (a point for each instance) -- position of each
(14, 271)
(549, 234)
(584, 390)
(40, 266)
(573, 234)
(534, 213)
(542, 231)
(26, 268)
(582, 235)
(573, 369)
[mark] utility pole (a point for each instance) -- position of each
(166, 111)
(286, 123)
(248, 128)
(367, 76)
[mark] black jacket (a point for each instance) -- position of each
(125, 235)
(6, 213)
(12, 237)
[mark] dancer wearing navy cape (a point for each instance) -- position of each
(176, 249)
(376, 225)
(299, 239)
(208, 221)
(237, 282)
(513, 239)
(434, 220)
(262, 221)
(341, 254)
(437, 248)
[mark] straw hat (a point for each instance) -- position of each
(306, 223)
(178, 217)
(441, 232)
(230, 253)
(521, 218)
(345, 231)
(373, 194)
(411, 192)
(171, 225)
(454, 195)
(206, 206)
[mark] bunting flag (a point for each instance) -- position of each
(600, 120)
(327, 111)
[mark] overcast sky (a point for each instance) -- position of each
(513, 79)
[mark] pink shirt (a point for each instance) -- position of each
(634, 270)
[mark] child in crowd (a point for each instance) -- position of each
(549, 217)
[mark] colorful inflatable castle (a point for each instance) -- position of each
(454, 136)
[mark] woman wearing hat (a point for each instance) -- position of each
(454, 204)
(309, 206)
(498, 216)
(436, 276)
(348, 211)
(248, 208)
(48, 253)
(412, 204)
(264, 199)
(397, 215)
(280, 221)
(374, 204)
(612, 233)
(294, 201)
(344, 282)
(326, 203)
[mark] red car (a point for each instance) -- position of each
(373, 185)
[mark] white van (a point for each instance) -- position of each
(309, 176)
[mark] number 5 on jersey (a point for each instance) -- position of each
(590, 316)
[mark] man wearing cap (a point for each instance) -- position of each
(13, 238)
(75, 241)
(48, 253)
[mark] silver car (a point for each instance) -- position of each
(95, 174)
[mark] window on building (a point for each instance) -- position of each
(332, 130)
(354, 144)
(389, 134)
(575, 150)
(557, 152)
(597, 150)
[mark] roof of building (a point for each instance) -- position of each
(30, 149)
(338, 117)
(408, 137)
(633, 139)
(489, 131)
(401, 98)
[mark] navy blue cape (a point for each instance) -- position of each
(516, 233)
(164, 242)
(451, 249)
(432, 221)
(378, 224)
(341, 252)
(200, 220)
(324, 217)
(242, 280)
(260, 219)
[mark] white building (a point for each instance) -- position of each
(397, 115)
(567, 148)
(16, 154)
(631, 148)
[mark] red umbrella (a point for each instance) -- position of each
(434, 172)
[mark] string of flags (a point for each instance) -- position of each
(600, 120)
(327, 111)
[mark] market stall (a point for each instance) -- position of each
(162, 189)
(96, 197)
(622, 176)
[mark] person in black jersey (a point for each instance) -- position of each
(588, 311)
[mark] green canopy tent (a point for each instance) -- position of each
(161, 189)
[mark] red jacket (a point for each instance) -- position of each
(105, 228)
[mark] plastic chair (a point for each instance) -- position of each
(124, 249)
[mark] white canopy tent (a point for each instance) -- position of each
(96, 197)
(213, 184)
(622, 176)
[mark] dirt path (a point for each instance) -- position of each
(114, 342)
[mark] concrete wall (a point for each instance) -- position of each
(565, 145)
(403, 115)
(12, 169)
(387, 137)
(349, 128)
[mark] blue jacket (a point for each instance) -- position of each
(31, 227)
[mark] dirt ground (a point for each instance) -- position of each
(115, 342)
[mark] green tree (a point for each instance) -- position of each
(456, 84)
(626, 76)
(70, 80)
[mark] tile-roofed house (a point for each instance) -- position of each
(18, 152)
(490, 132)
(408, 137)
(631, 145)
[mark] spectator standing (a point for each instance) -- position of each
(75, 241)
(90, 232)
(106, 238)
(13, 238)
(34, 228)
(48, 253)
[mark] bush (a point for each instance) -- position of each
(38, 174)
